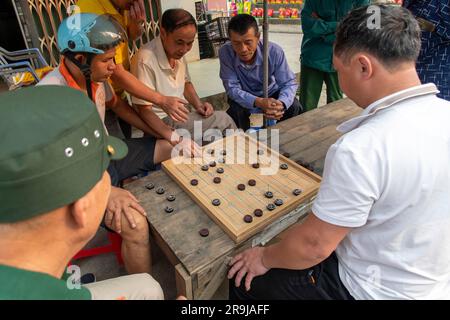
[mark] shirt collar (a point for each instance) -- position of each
(386, 103)
(258, 61)
(161, 56)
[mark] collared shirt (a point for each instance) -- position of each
(103, 94)
(106, 7)
(151, 66)
(433, 64)
(388, 178)
(244, 83)
(20, 284)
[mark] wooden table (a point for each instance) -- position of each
(201, 263)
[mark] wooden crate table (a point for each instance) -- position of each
(201, 262)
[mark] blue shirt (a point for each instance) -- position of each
(244, 83)
(433, 64)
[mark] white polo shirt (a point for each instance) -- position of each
(388, 178)
(151, 66)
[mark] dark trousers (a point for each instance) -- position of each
(241, 115)
(320, 282)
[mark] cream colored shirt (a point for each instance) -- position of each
(151, 66)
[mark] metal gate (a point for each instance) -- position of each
(39, 21)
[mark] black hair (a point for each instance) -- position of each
(396, 39)
(174, 19)
(241, 23)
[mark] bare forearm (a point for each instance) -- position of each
(133, 86)
(126, 113)
(161, 129)
(294, 252)
(191, 95)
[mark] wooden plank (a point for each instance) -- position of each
(235, 204)
(210, 279)
(333, 114)
(183, 282)
(164, 247)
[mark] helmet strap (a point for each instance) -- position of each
(85, 69)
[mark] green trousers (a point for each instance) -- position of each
(311, 81)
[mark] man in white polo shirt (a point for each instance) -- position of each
(160, 64)
(380, 226)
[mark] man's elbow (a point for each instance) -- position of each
(318, 250)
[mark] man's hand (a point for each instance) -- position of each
(189, 147)
(272, 108)
(249, 264)
(137, 11)
(205, 109)
(175, 108)
(120, 201)
(275, 113)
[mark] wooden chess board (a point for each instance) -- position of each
(237, 161)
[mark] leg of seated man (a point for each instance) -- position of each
(143, 154)
(132, 287)
(136, 249)
(239, 114)
(163, 150)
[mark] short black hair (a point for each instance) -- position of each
(397, 39)
(241, 23)
(174, 19)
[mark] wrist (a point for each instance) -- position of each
(257, 102)
(174, 138)
(160, 100)
(264, 258)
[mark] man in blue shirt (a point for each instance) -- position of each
(433, 64)
(241, 71)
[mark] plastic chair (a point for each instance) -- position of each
(22, 68)
(115, 246)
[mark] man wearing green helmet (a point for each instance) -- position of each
(88, 44)
(54, 189)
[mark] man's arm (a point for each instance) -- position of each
(126, 113)
(305, 245)
(191, 95)
(313, 25)
(203, 108)
(284, 78)
(133, 86)
(155, 123)
(231, 82)
(136, 19)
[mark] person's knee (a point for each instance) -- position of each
(139, 235)
(163, 150)
(145, 287)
